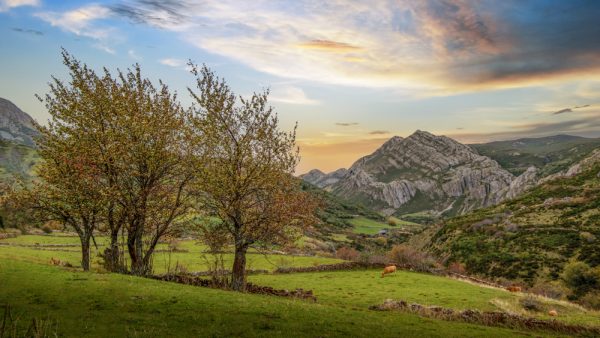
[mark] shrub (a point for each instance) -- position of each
(348, 254)
(530, 303)
(457, 267)
(392, 222)
(46, 229)
(580, 278)
(550, 290)
(591, 300)
(405, 255)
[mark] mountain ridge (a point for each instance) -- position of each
(428, 173)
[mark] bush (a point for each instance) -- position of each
(530, 303)
(405, 255)
(392, 222)
(550, 290)
(580, 278)
(348, 254)
(46, 229)
(591, 300)
(457, 267)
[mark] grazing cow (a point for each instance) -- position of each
(55, 261)
(388, 269)
(553, 313)
(514, 288)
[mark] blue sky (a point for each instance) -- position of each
(351, 73)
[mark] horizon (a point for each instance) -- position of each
(351, 75)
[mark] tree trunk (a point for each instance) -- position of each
(85, 252)
(238, 274)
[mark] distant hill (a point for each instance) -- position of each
(18, 155)
(16, 125)
(533, 236)
(548, 154)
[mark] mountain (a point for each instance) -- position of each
(423, 172)
(17, 147)
(548, 154)
(533, 236)
(318, 178)
(16, 125)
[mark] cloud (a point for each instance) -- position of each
(292, 95)
(132, 54)
(379, 132)
(346, 124)
(81, 21)
(584, 106)
(588, 126)
(6, 5)
(28, 31)
(430, 47)
(562, 111)
(176, 63)
(330, 46)
(165, 14)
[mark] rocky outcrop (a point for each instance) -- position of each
(320, 179)
(424, 172)
(522, 183)
(16, 125)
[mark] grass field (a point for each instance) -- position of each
(194, 259)
(363, 225)
(101, 304)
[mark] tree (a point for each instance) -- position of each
(247, 176)
(133, 137)
(68, 188)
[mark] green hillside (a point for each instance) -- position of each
(549, 154)
(532, 237)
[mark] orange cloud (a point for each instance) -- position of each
(329, 46)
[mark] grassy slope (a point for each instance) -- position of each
(360, 289)
(550, 154)
(530, 237)
(102, 305)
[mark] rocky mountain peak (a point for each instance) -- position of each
(15, 124)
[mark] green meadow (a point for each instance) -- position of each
(97, 304)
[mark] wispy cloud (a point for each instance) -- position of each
(172, 62)
(6, 5)
(292, 95)
(80, 22)
(562, 111)
(379, 132)
(28, 31)
(346, 124)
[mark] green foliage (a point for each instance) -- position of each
(581, 278)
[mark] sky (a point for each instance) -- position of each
(352, 74)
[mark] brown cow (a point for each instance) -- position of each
(553, 313)
(388, 269)
(55, 261)
(514, 288)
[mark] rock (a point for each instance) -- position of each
(439, 172)
(16, 125)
